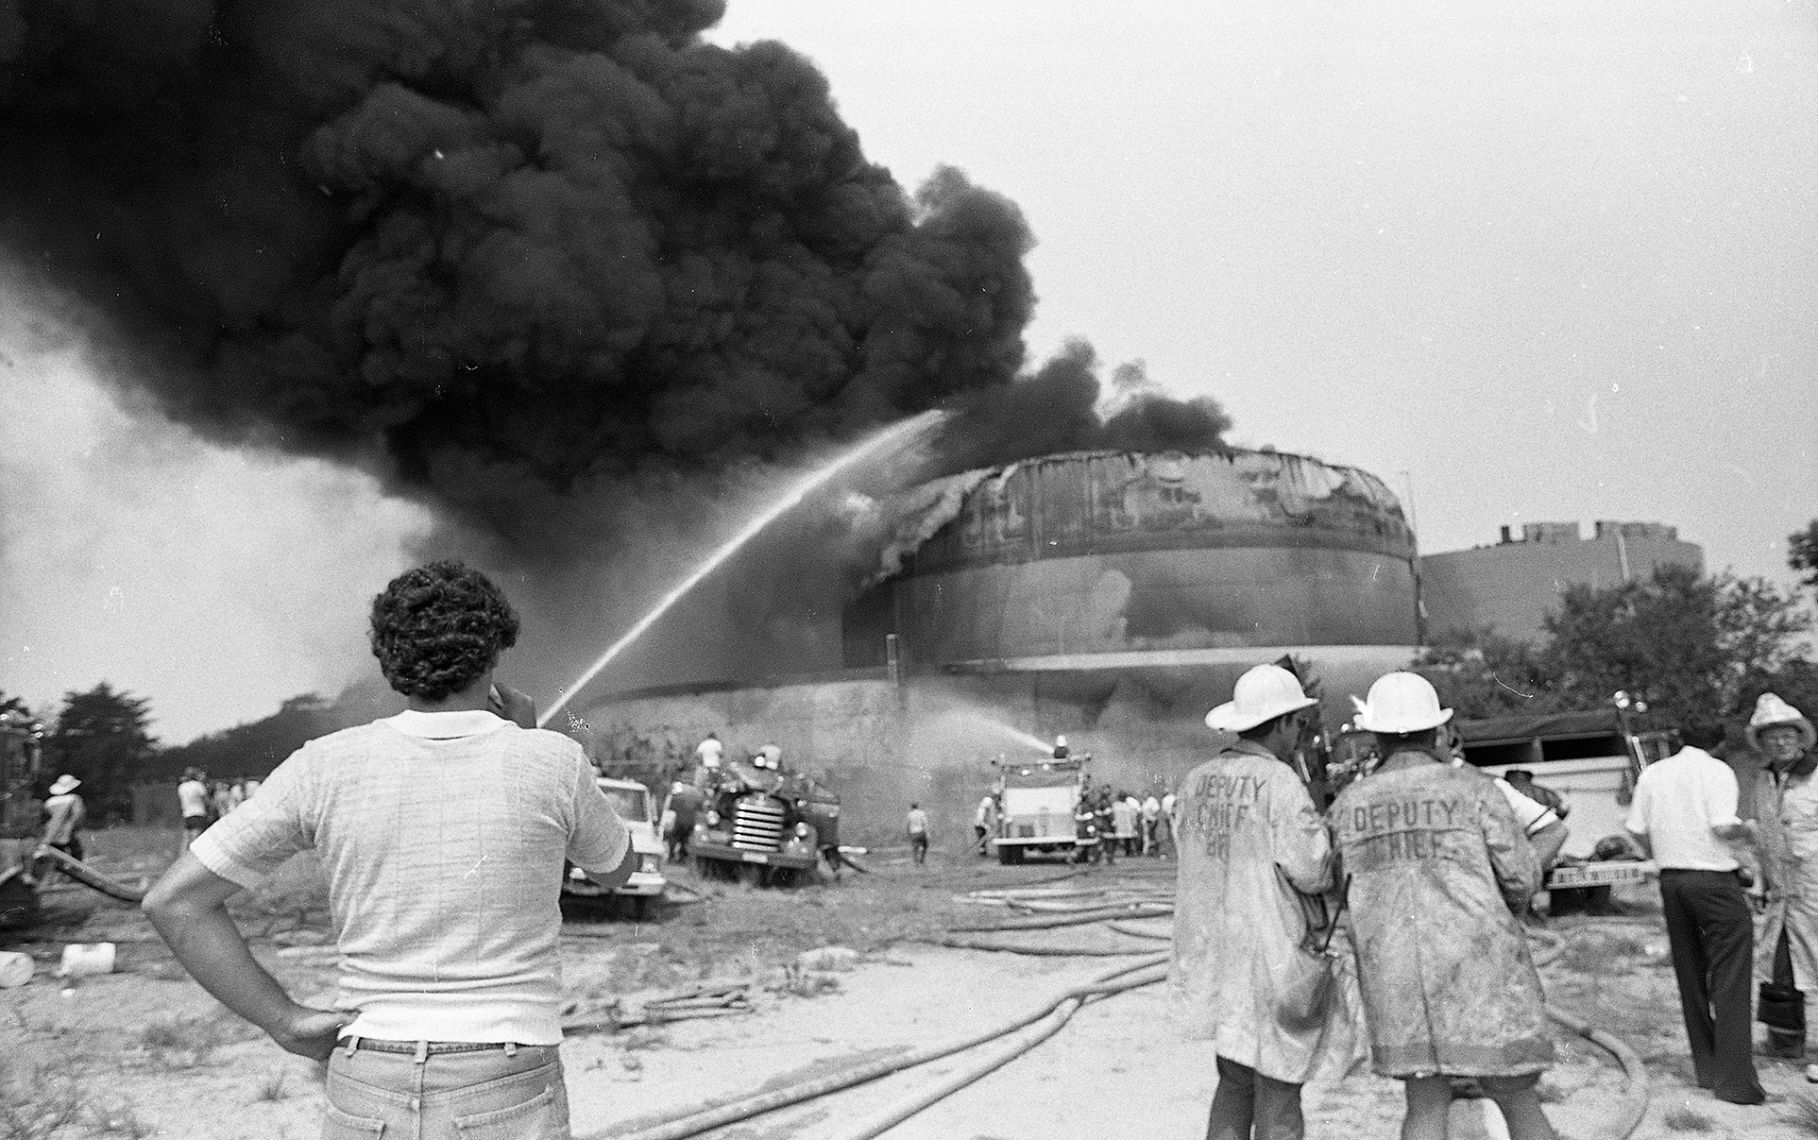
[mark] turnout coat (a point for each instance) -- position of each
(1438, 868)
(1249, 840)
(1786, 808)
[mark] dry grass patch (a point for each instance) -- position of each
(176, 1043)
(35, 1106)
(1687, 1119)
(1803, 1113)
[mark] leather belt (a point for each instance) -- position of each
(421, 1049)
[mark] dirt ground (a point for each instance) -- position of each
(143, 1052)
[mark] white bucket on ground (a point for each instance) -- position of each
(82, 958)
(15, 969)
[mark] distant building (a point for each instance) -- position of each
(1510, 586)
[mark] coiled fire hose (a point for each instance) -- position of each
(1053, 1015)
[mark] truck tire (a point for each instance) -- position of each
(640, 907)
(1009, 856)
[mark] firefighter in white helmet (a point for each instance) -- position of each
(1437, 874)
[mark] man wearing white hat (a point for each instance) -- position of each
(1254, 859)
(1786, 809)
(1684, 816)
(1438, 870)
(65, 814)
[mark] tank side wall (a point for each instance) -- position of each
(1177, 599)
(933, 739)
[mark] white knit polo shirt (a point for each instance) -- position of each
(442, 836)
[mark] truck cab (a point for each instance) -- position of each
(632, 802)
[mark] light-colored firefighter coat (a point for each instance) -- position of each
(1436, 864)
(1786, 809)
(1249, 838)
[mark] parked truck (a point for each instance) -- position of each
(754, 822)
(1590, 758)
(631, 800)
(1036, 804)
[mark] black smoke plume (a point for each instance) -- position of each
(529, 243)
(536, 263)
(567, 239)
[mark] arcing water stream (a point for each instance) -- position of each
(1020, 736)
(896, 434)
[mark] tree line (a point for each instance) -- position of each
(102, 736)
(1698, 649)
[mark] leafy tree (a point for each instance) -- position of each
(256, 747)
(101, 738)
(1802, 553)
(1481, 674)
(1761, 631)
(1692, 646)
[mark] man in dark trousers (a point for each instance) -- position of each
(1684, 816)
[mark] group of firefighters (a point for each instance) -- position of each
(1432, 867)
(1108, 823)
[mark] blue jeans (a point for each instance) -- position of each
(486, 1095)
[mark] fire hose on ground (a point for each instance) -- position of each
(81, 872)
(711, 1116)
(1053, 1015)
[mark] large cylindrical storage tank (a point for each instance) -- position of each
(1111, 596)
(1088, 558)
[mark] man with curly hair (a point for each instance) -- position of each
(442, 833)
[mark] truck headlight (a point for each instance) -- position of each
(649, 865)
(576, 874)
(713, 819)
(801, 831)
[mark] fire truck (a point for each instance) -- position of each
(756, 823)
(1035, 808)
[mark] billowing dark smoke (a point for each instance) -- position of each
(550, 243)
(1058, 408)
(538, 263)
(568, 239)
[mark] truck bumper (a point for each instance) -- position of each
(725, 853)
(641, 884)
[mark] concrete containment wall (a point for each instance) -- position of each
(932, 738)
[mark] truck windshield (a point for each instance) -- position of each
(631, 804)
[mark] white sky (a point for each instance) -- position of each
(1553, 260)
(1538, 261)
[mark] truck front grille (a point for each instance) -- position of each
(757, 824)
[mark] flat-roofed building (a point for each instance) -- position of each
(1511, 585)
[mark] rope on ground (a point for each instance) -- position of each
(699, 1120)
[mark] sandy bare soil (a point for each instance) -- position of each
(143, 1052)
